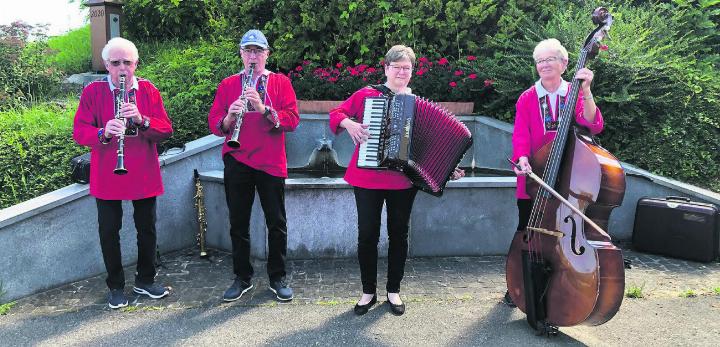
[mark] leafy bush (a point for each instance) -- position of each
(35, 150)
(25, 75)
(72, 52)
(656, 86)
(187, 76)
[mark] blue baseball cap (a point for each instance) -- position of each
(254, 38)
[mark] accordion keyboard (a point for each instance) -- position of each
(369, 153)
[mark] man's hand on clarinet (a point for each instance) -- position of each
(114, 127)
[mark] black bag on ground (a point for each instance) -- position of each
(677, 227)
(80, 169)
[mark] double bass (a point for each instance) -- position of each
(563, 269)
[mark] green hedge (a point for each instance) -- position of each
(36, 146)
(71, 52)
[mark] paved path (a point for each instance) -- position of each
(450, 301)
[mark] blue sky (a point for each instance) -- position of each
(59, 14)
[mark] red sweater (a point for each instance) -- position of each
(262, 146)
(529, 133)
(141, 158)
(357, 177)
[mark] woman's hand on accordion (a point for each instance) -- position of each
(358, 132)
(457, 174)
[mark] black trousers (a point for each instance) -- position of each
(241, 181)
(524, 210)
(110, 222)
(369, 203)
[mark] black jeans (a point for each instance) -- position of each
(241, 181)
(369, 203)
(110, 222)
(524, 210)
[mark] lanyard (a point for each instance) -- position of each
(551, 120)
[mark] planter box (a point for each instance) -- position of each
(324, 107)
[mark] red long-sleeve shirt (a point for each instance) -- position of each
(143, 179)
(262, 146)
(357, 177)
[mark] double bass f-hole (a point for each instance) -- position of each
(573, 236)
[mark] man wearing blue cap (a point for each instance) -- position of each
(262, 106)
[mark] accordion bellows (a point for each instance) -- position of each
(415, 136)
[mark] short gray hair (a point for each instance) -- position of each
(120, 43)
(551, 45)
(399, 52)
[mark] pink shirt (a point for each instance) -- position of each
(357, 177)
(529, 133)
(143, 179)
(262, 146)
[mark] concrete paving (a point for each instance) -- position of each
(450, 301)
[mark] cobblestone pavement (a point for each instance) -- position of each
(198, 283)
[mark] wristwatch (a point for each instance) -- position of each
(145, 124)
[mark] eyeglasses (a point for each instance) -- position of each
(398, 68)
(547, 60)
(257, 51)
(118, 62)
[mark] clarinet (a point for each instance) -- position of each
(233, 142)
(120, 166)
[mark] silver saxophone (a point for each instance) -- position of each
(234, 142)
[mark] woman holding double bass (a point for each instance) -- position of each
(562, 269)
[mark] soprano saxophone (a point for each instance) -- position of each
(234, 142)
(202, 219)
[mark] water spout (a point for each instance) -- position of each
(323, 161)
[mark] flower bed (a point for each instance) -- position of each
(442, 81)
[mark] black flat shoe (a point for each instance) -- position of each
(397, 310)
(363, 309)
(507, 300)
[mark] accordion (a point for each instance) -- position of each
(415, 136)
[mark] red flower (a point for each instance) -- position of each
(489, 82)
(442, 61)
(299, 68)
(306, 62)
(423, 60)
(458, 72)
(364, 79)
(338, 65)
(353, 71)
(420, 72)
(332, 79)
(472, 76)
(471, 58)
(371, 70)
(361, 67)
(453, 84)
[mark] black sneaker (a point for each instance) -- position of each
(237, 289)
(281, 289)
(117, 299)
(153, 290)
